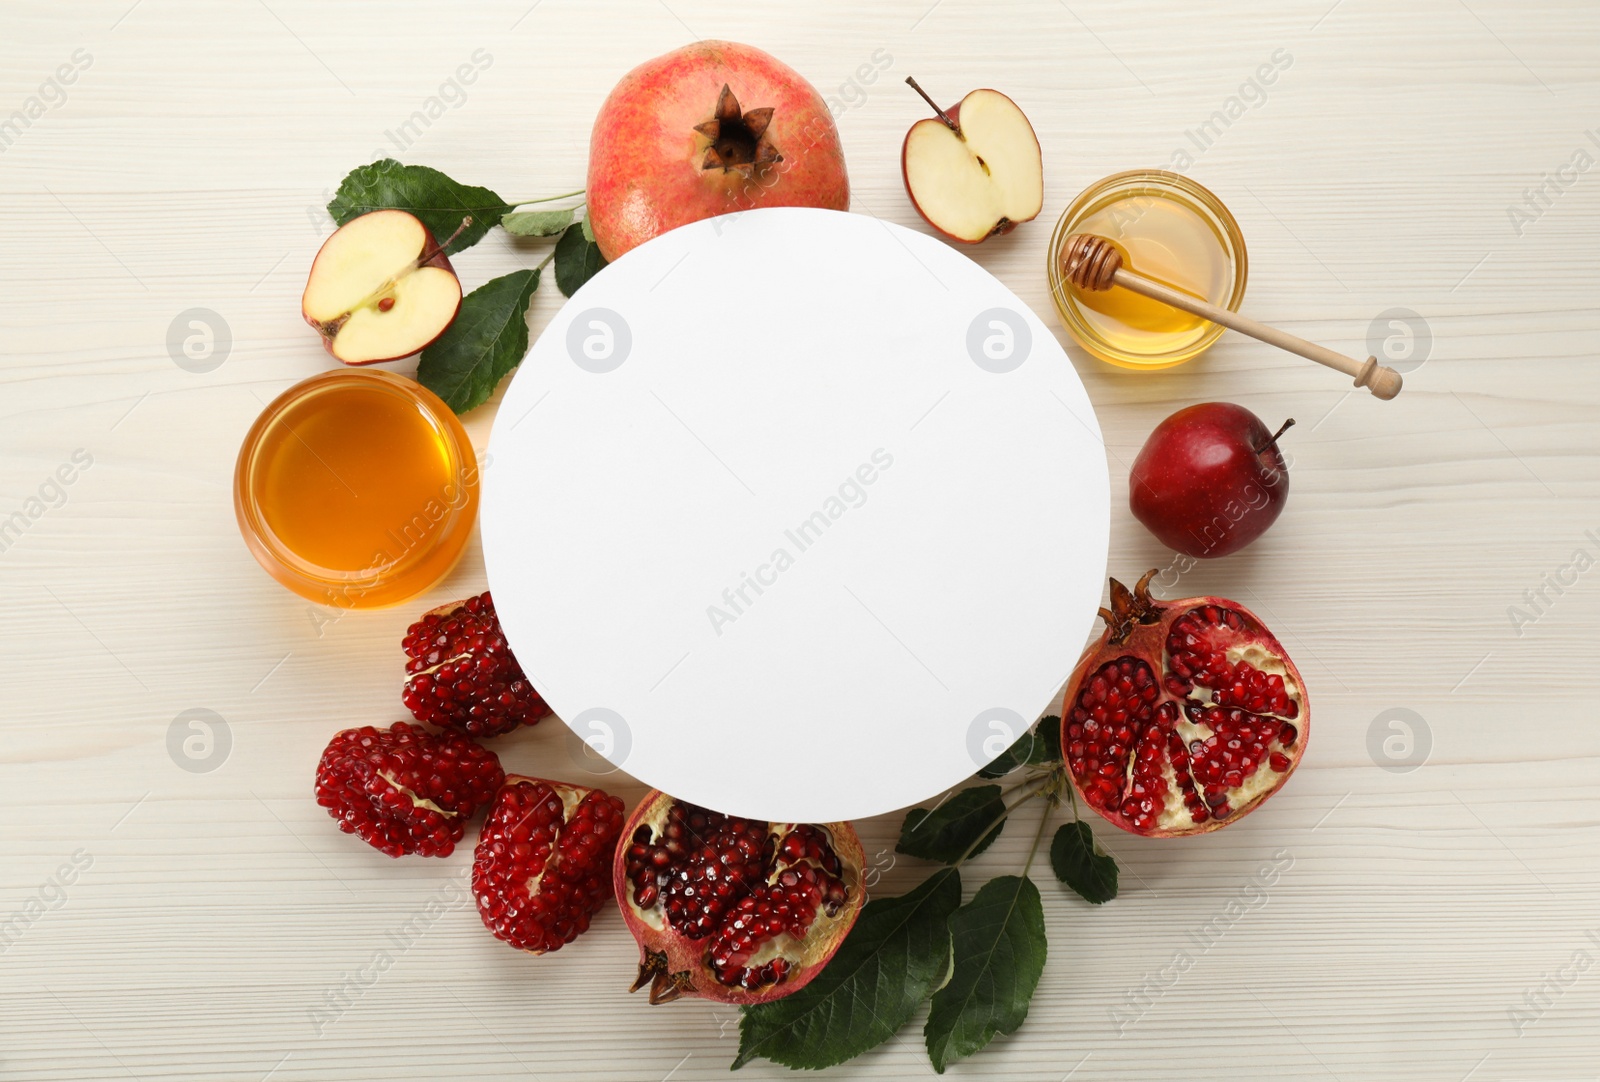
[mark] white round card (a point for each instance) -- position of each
(797, 515)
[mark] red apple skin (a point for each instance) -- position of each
(645, 157)
(1209, 480)
(954, 113)
(439, 260)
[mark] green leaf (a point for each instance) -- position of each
(1046, 750)
(946, 832)
(588, 228)
(578, 259)
(1040, 746)
(487, 340)
(536, 223)
(1000, 948)
(440, 202)
(1013, 757)
(1082, 865)
(892, 960)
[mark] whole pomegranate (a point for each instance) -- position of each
(1184, 717)
(542, 868)
(729, 909)
(404, 789)
(707, 129)
(461, 675)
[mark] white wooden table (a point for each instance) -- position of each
(1433, 923)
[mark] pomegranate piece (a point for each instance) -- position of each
(1184, 717)
(542, 868)
(734, 910)
(404, 789)
(461, 675)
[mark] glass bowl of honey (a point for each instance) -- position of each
(1169, 228)
(356, 488)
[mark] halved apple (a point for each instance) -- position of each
(380, 289)
(975, 170)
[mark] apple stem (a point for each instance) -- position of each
(944, 116)
(429, 253)
(1273, 439)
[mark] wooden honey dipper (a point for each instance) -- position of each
(1093, 263)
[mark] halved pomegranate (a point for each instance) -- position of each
(729, 909)
(1184, 717)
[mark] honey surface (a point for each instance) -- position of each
(355, 477)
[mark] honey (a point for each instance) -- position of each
(1166, 227)
(357, 488)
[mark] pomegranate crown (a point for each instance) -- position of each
(1130, 608)
(739, 140)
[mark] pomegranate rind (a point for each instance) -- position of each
(676, 967)
(1138, 628)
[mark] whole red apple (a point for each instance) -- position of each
(708, 129)
(1209, 480)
